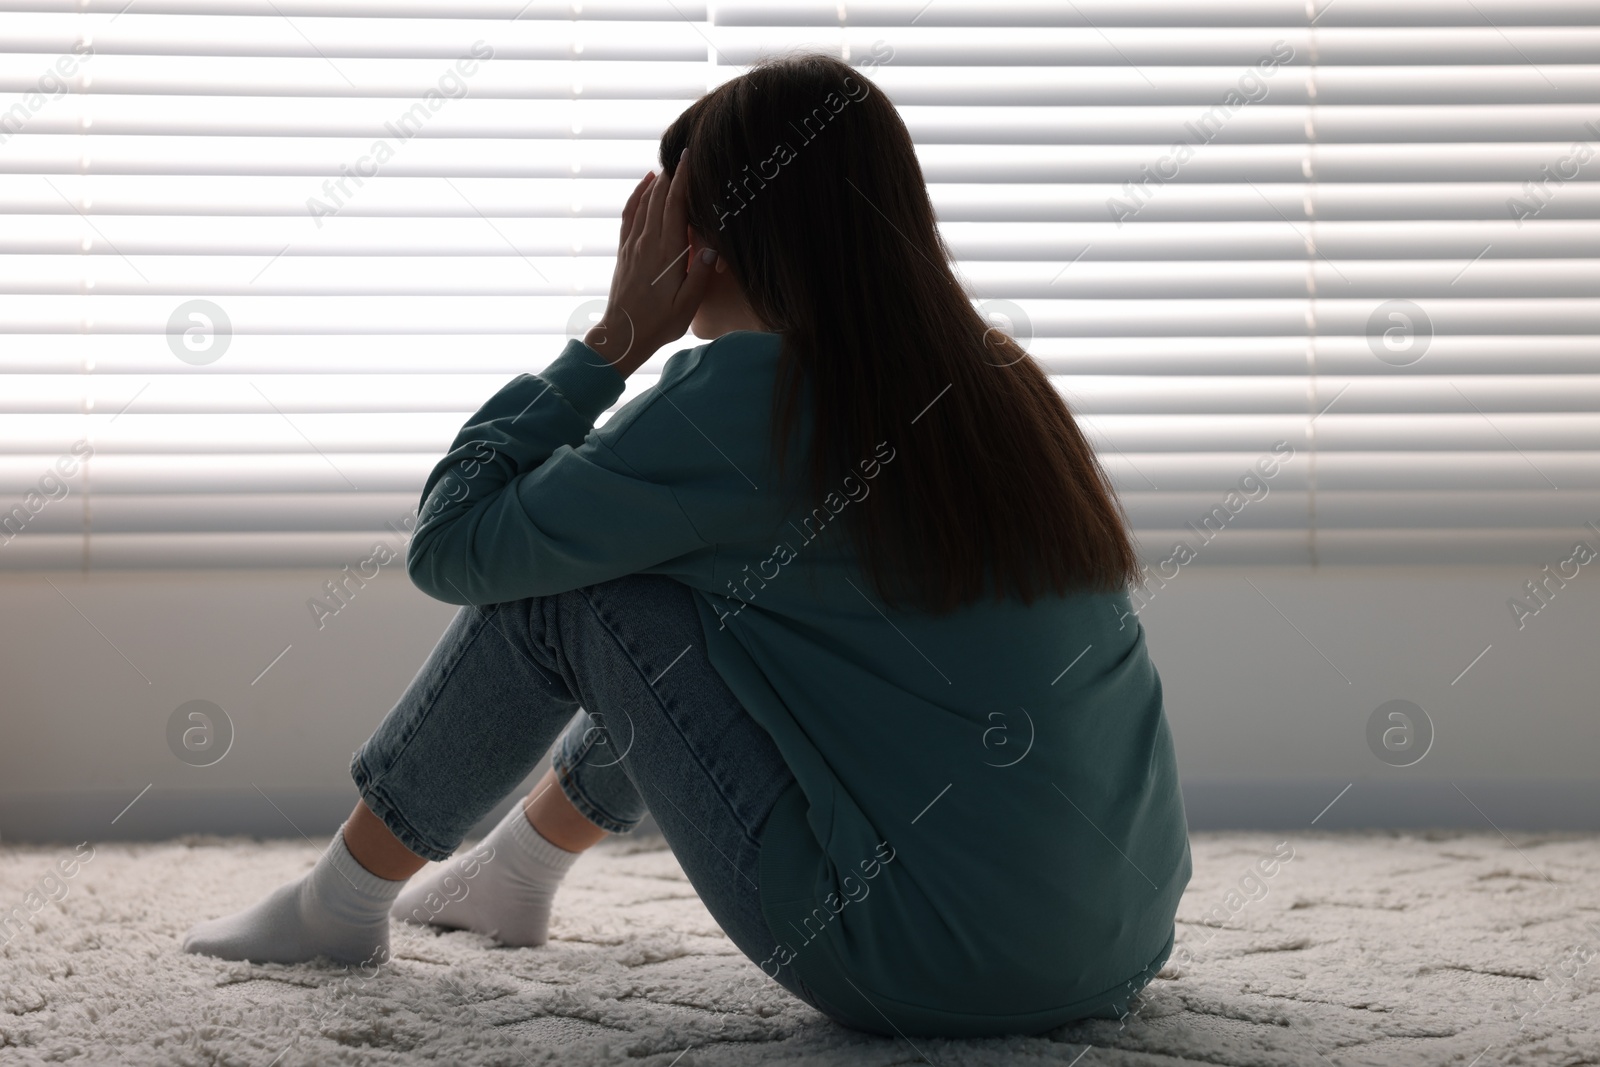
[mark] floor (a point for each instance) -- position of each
(1415, 949)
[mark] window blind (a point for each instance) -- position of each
(260, 258)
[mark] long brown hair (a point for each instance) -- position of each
(805, 179)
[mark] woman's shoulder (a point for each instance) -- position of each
(741, 344)
(724, 367)
(722, 387)
(748, 338)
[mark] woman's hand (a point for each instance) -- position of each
(654, 293)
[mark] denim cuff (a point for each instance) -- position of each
(586, 805)
(378, 802)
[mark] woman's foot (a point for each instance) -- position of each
(339, 909)
(503, 887)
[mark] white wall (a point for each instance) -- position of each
(1268, 731)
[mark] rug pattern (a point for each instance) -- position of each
(1429, 949)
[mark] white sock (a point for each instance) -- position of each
(503, 887)
(339, 909)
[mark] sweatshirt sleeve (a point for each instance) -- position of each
(529, 501)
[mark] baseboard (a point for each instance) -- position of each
(1301, 805)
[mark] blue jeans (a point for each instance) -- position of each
(649, 726)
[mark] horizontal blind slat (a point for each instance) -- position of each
(588, 205)
(511, 354)
(1271, 120)
(322, 158)
(293, 394)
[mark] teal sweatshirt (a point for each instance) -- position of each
(985, 835)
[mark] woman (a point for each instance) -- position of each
(841, 602)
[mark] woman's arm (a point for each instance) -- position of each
(522, 506)
(527, 502)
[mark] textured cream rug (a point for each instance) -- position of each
(1360, 949)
